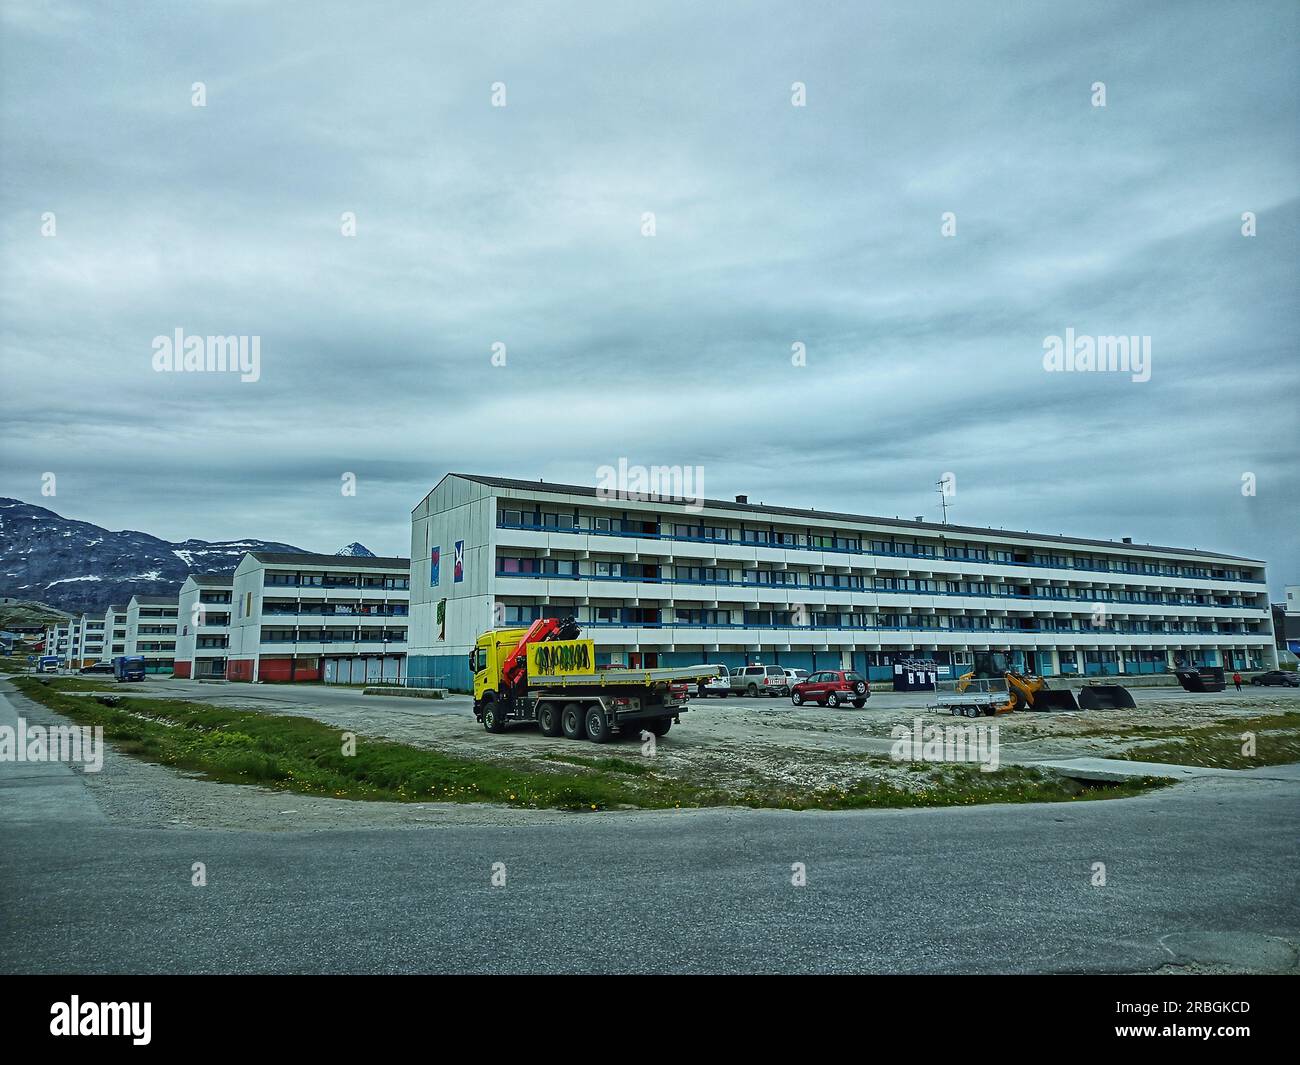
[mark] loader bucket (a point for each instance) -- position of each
(1047, 699)
(1106, 697)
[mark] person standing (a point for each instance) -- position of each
(1236, 679)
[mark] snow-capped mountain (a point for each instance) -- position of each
(356, 550)
(77, 566)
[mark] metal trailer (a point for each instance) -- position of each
(599, 706)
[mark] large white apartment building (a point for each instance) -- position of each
(151, 631)
(655, 583)
(92, 639)
(203, 625)
(337, 618)
(114, 633)
(63, 639)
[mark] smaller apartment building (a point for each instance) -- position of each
(114, 634)
(92, 639)
(62, 639)
(203, 625)
(303, 617)
(151, 631)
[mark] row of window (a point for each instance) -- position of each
(561, 568)
(808, 539)
(288, 635)
(337, 609)
(331, 580)
(524, 614)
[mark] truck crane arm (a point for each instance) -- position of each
(514, 667)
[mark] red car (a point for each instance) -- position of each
(832, 687)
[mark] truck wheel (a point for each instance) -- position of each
(752, 691)
(659, 725)
(492, 718)
(571, 722)
(548, 719)
(597, 727)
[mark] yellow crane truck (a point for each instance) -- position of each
(546, 675)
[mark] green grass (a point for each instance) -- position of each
(611, 765)
(302, 755)
(1219, 746)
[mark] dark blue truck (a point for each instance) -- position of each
(128, 667)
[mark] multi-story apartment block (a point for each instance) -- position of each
(337, 618)
(92, 639)
(114, 633)
(203, 625)
(662, 583)
(151, 631)
(63, 639)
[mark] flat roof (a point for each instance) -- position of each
(289, 558)
(830, 515)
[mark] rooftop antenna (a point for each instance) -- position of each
(943, 497)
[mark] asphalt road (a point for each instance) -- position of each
(1201, 876)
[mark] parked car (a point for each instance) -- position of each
(760, 680)
(1277, 676)
(795, 676)
(720, 685)
(832, 687)
(97, 667)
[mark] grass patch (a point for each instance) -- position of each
(609, 765)
(303, 755)
(1220, 745)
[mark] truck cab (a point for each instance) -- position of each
(485, 660)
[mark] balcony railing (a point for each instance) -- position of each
(821, 588)
(860, 550)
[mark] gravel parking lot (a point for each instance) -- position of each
(728, 740)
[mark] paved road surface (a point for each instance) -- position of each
(1200, 875)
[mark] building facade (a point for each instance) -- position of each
(151, 631)
(92, 639)
(662, 583)
(114, 633)
(303, 617)
(63, 639)
(203, 626)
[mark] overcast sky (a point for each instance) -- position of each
(773, 225)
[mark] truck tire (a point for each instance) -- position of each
(572, 722)
(659, 725)
(598, 730)
(548, 719)
(752, 691)
(492, 719)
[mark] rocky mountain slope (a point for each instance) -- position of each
(77, 566)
